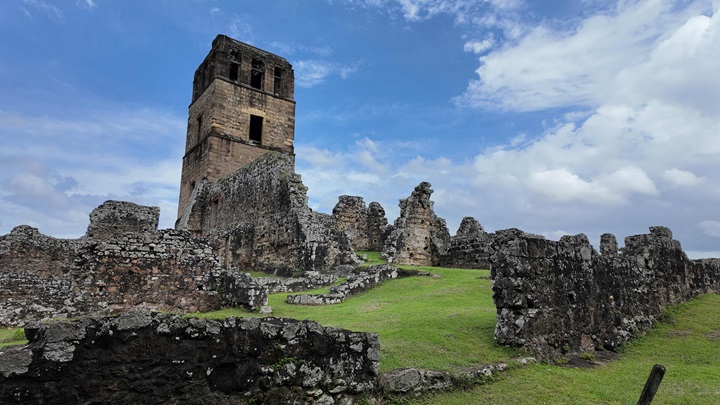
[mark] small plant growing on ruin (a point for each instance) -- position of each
(587, 356)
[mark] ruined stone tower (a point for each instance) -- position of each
(242, 107)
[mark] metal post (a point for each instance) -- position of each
(652, 384)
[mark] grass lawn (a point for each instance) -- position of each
(11, 336)
(440, 322)
(687, 343)
(373, 258)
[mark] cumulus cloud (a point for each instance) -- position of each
(55, 170)
(634, 141)
(679, 177)
(553, 67)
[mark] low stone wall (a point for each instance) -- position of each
(561, 298)
(310, 281)
(414, 382)
(158, 358)
(315, 299)
(356, 283)
(43, 277)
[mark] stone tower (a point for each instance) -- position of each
(242, 107)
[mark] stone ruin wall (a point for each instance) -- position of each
(419, 237)
(43, 277)
(115, 218)
(258, 218)
(366, 226)
(562, 298)
(470, 248)
(142, 357)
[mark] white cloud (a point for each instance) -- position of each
(461, 10)
(309, 73)
(54, 171)
(614, 165)
(564, 186)
(44, 7)
(88, 4)
(679, 177)
(552, 67)
(478, 47)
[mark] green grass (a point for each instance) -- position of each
(439, 323)
(12, 336)
(373, 258)
(258, 274)
(688, 345)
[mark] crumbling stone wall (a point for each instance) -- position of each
(115, 218)
(365, 226)
(43, 277)
(165, 270)
(155, 358)
(470, 248)
(258, 218)
(309, 281)
(35, 275)
(356, 283)
(419, 237)
(562, 297)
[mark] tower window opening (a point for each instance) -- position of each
(233, 75)
(256, 124)
(258, 74)
(277, 87)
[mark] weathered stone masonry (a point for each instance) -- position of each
(356, 283)
(560, 298)
(43, 277)
(470, 248)
(242, 107)
(419, 237)
(258, 218)
(366, 227)
(158, 358)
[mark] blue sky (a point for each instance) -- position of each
(555, 117)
